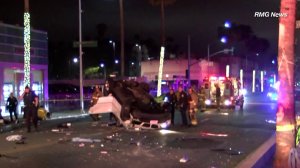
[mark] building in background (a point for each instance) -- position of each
(174, 71)
(12, 62)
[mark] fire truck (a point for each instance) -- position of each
(231, 92)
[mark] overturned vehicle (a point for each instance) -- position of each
(133, 106)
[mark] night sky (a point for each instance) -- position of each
(199, 18)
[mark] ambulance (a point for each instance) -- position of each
(231, 93)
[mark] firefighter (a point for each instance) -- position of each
(95, 96)
(193, 106)
(202, 98)
(218, 96)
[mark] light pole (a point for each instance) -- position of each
(189, 61)
(115, 67)
(102, 65)
(139, 58)
(114, 47)
(80, 59)
(73, 67)
(122, 38)
(226, 50)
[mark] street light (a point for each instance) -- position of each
(226, 50)
(227, 24)
(75, 60)
(223, 39)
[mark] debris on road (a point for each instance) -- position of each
(77, 139)
(184, 159)
(14, 138)
(103, 152)
(21, 142)
(228, 151)
(64, 125)
(55, 130)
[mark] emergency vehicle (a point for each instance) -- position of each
(231, 93)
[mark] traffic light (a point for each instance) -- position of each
(187, 74)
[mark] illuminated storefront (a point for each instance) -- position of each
(12, 62)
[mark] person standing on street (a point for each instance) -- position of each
(11, 105)
(30, 110)
(95, 96)
(218, 96)
(107, 92)
(171, 98)
(202, 98)
(193, 106)
(183, 105)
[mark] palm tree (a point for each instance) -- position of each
(285, 124)
(26, 43)
(162, 4)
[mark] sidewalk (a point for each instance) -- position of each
(54, 116)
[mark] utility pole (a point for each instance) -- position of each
(80, 60)
(189, 60)
(122, 37)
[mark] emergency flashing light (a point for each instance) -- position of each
(208, 102)
(213, 78)
(164, 125)
(221, 78)
(244, 91)
(227, 102)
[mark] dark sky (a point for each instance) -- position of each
(199, 18)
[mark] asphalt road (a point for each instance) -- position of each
(222, 139)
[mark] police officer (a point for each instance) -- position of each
(11, 104)
(172, 102)
(183, 105)
(30, 109)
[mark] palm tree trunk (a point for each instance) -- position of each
(285, 126)
(122, 37)
(26, 43)
(162, 25)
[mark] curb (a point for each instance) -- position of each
(262, 155)
(11, 127)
